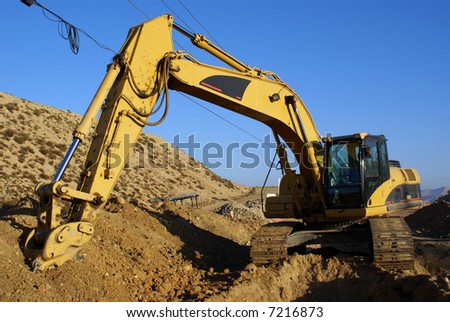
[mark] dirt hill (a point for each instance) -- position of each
(34, 139)
(173, 252)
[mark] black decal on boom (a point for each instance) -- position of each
(227, 85)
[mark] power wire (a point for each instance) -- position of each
(266, 179)
(146, 16)
(138, 9)
(227, 121)
(243, 130)
(174, 13)
(203, 27)
(69, 32)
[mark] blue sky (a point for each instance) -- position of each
(372, 66)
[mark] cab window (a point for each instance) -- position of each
(343, 164)
(343, 175)
(376, 166)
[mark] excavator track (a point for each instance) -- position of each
(392, 242)
(269, 243)
(393, 245)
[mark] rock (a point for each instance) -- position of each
(165, 288)
(187, 267)
(197, 289)
(251, 268)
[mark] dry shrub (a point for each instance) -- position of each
(9, 133)
(21, 137)
(12, 107)
(24, 150)
(37, 112)
(44, 176)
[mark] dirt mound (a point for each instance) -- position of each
(34, 139)
(315, 278)
(431, 228)
(432, 221)
(251, 210)
(179, 253)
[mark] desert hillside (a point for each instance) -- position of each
(142, 251)
(34, 139)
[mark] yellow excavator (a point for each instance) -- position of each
(346, 186)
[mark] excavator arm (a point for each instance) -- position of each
(132, 92)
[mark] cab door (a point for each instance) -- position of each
(375, 165)
(343, 184)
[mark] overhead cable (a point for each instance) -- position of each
(70, 32)
(178, 17)
(203, 27)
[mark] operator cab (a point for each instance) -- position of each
(356, 165)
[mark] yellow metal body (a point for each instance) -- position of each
(146, 67)
(379, 204)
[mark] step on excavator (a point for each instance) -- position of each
(344, 190)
